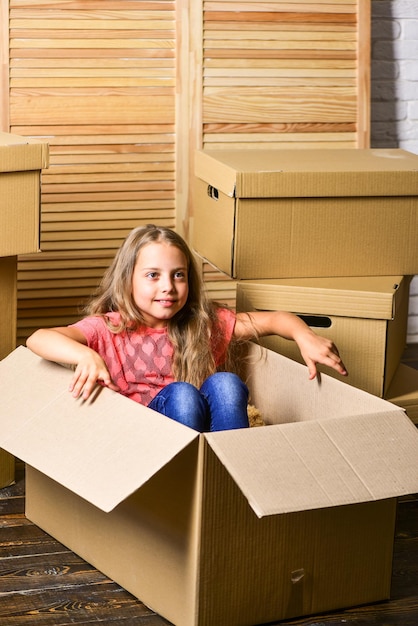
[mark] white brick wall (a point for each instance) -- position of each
(394, 92)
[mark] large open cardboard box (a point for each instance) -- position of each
(229, 528)
(21, 162)
(297, 213)
(366, 317)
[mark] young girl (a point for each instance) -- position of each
(152, 334)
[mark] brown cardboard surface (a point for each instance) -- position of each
(7, 469)
(198, 570)
(286, 214)
(366, 317)
(21, 161)
(403, 390)
(322, 542)
(261, 570)
(8, 305)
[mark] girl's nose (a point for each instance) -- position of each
(167, 284)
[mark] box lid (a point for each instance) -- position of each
(370, 297)
(22, 153)
(107, 448)
(309, 172)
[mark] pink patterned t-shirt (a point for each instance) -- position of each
(140, 361)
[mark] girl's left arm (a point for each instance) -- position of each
(313, 348)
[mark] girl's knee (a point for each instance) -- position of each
(184, 403)
(226, 383)
(183, 392)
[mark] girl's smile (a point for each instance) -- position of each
(160, 283)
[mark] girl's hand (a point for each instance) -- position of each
(89, 370)
(313, 348)
(316, 349)
(67, 344)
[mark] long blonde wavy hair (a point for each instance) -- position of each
(190, 330)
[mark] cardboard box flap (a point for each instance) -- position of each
(22, 153)
(309, 172)
(103, 449)
(322, 463)
(371, 297)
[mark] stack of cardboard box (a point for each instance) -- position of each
(21, 161)
(330, 235)
(247, 526)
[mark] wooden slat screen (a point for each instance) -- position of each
(97, 80)
(124, 91)
(282, 74)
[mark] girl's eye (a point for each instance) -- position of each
(151, 275)
(180, 275)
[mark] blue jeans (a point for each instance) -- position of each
(220, 403)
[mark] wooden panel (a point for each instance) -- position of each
(54, 287)
(282, 74)
(4, 65)
(97, 79)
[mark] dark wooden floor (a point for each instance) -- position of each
(42, 583)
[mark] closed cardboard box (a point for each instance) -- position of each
(236, 527)
(21, 162)
(366, 317)
(297, 213)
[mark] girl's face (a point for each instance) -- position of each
(160, 283)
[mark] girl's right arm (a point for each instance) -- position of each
(69, 346)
